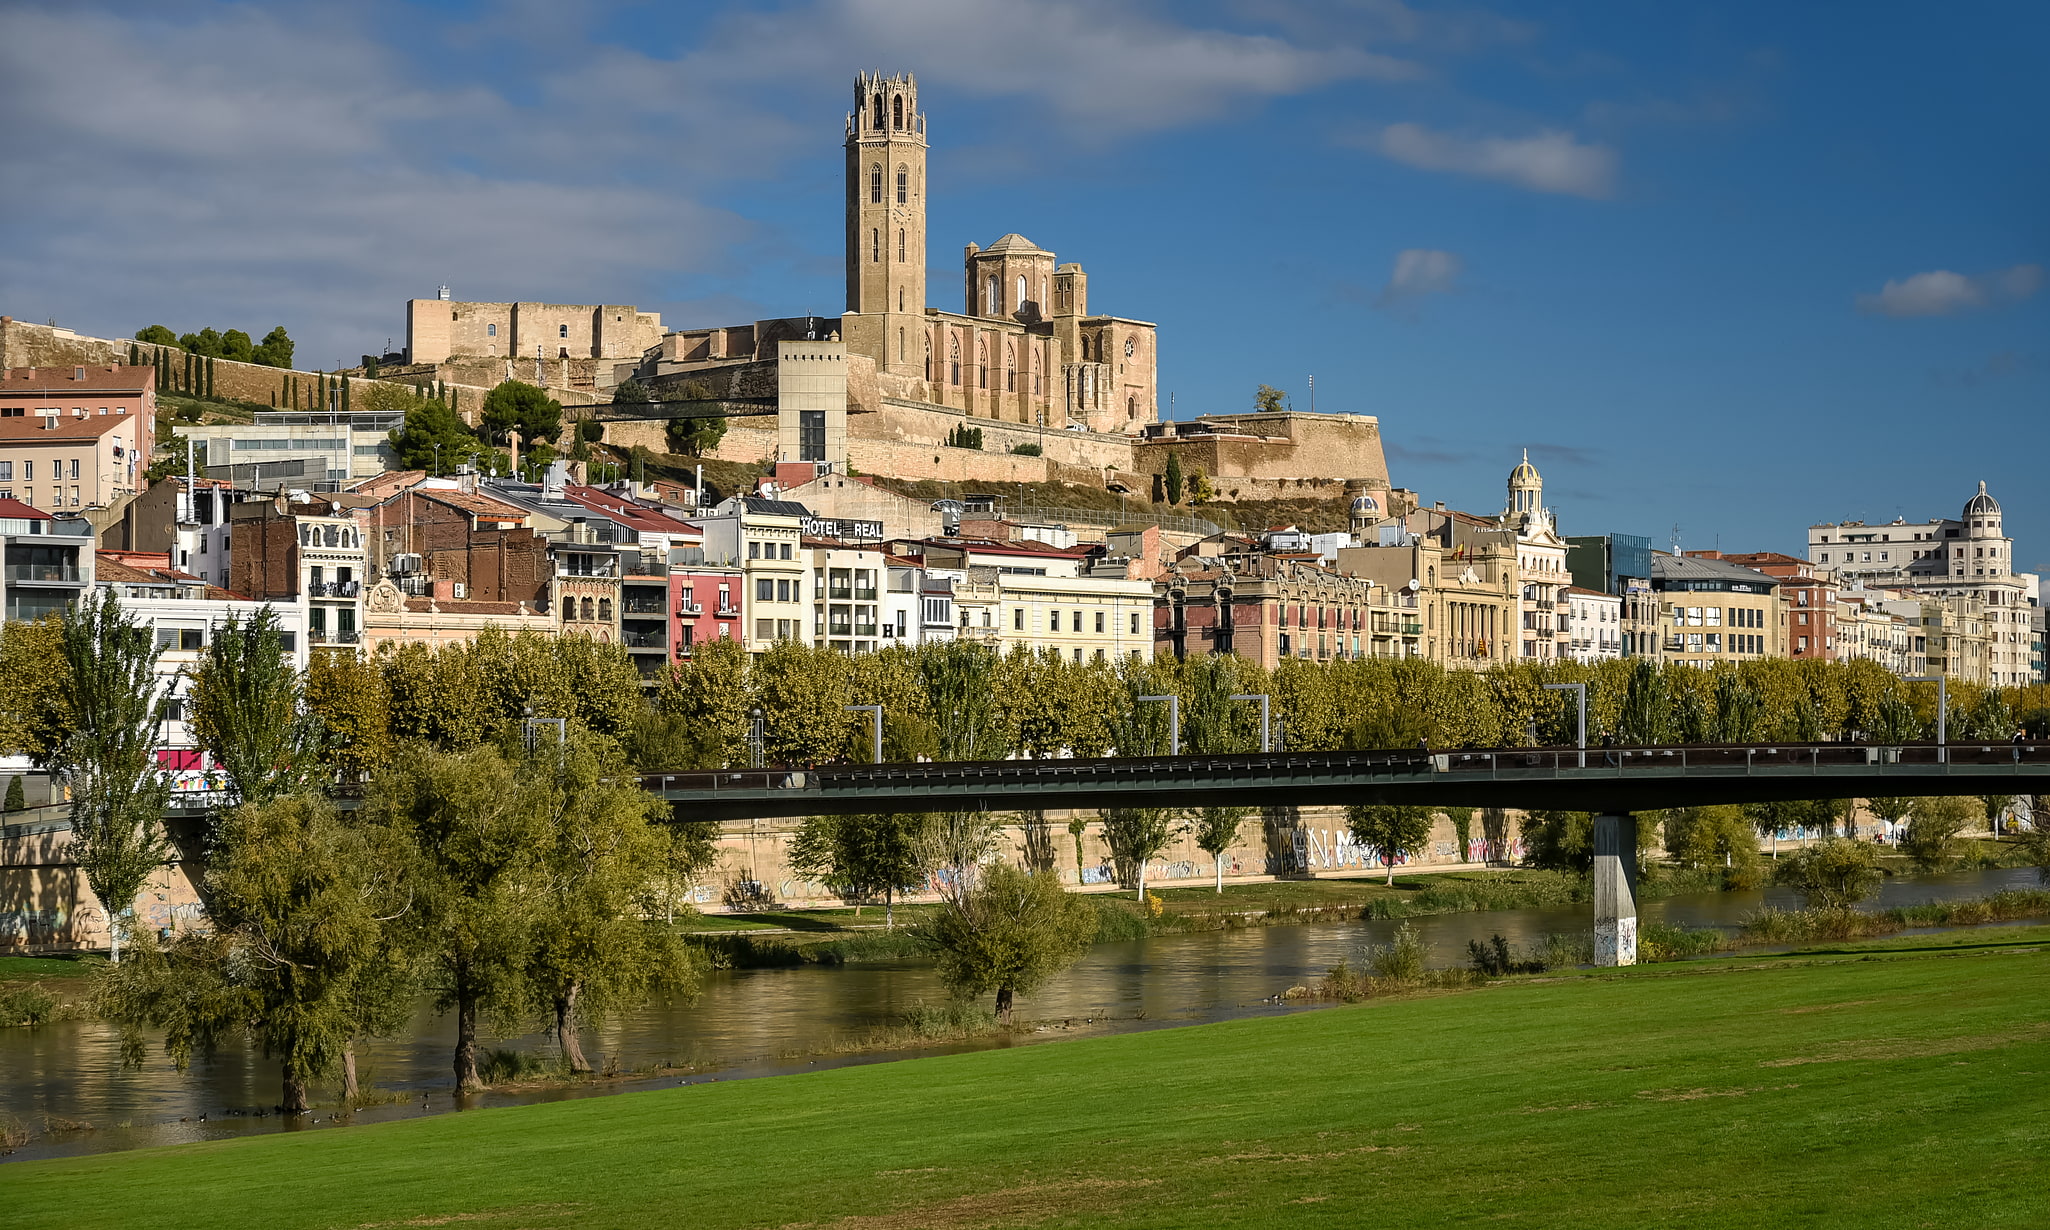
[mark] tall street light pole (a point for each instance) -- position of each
(876, 712)
(1174, 721)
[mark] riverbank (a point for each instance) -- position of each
(1861, 1074)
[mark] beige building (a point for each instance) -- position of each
(1714, 611)
(75, 437)
(1030, 594)
(765, 538)
(440, 329)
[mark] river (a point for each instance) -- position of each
(767, 1021)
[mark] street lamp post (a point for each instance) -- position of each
(1942, 683)
(1266, 727)
(757, 738)
(1174, 721)
(875, 711)
(533, 725)
(1580, 691)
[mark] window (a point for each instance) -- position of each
(875, 184)
(785, 551)
(1099, 621)
(897, 117)
(993, 303)
(875, 112)
(1135, 623)
(490, 330)
(875, 246)
(754, 550)
(900, 293)
(1018, 618)
(765, 629)
(1021, 291)
(765, 590)
(982, 364)
(953, 362)
(562, 330)
(1076, 622)
(783, 591)
(1053, 621)
(28, 471)
(903, 185)
(1010, 367)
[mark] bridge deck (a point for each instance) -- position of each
(1600, 779)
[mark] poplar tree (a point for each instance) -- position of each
(249, 711)
(861, 857)
(106, 757)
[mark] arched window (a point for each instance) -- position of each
(1022, 296)
(954, 360)
(875, 245)
(900, 298)
(1010, 368)
(897, 112)
(982, 365)
(903, 183)
(876, 111)
(875, 183)
(994, 304)
(605, 609)
(900, 247)
(588, 614)
(900, 339)
(1131, 407)
(1042, 289)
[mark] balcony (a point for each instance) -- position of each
(864, 594)
(726, 611)
(58, 574)
(864, 629)
(644, 640)
(643, 566)
(1410, 629)
(320, 636)
(333, 589)
(839, 593)
(643, 606)
(690, 608)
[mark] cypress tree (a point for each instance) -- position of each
(210, 376)
(346, 382)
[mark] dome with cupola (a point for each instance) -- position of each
(1982, 505)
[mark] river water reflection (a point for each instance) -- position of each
(761, 1022)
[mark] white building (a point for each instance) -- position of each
(311, 451)
(1021, 593)
(1593, 625)
(1540, 566)
(765, 538)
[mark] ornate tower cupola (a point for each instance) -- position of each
(1982, 515)
(1526, 488)
(886, 222)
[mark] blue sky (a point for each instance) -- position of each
(1723, 266)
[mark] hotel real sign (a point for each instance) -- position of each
(829, 527)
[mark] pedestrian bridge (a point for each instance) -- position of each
(1610, 780)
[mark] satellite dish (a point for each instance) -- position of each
(1415, 584)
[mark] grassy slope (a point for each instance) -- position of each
(1898, 1084)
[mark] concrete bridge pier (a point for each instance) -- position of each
(1615, 889)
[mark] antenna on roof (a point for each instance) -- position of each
(1676, 537)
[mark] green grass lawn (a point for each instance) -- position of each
(1898, 1083)
(14, 969)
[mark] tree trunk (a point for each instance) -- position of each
(1390, 858)
(889, 909)
(1004, 1007)
(466, 1034)
(294, 1101)
(566, 1029)
(113, 940)
(1219, 857)
(1142, 881)
(350, 1090)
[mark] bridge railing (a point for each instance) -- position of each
(1700, 760)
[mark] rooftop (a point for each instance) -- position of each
(59, 383)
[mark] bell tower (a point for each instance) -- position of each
(886, 224)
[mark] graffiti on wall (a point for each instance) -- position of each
(1333, 849)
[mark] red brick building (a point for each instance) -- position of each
(1807, 601)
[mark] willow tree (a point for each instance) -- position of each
(249, 711)
(107, 684)
(1008, 934)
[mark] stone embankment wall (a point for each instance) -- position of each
(1279, 841)
(46, 905)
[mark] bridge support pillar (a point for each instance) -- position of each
(1615, 889)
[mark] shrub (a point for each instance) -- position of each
(1496, 957)
(964, 436)
(1933, 826)
(29, 1005)
(1566, 950)
(500, 1066)
(1658, 941)
(1833, 874)
(1400, 961)
(1025, 450)
(954, 1019)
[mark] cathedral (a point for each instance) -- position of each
(1024, 348)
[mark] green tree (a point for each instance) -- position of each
(1267, 399)
(1136, 836)
(1891, 808)
(861, 857)
(803, 693)
(249, 712)
(1715, 837)
(962, 701)
(525, 408)
(1394, 831)
(691, 436)
(1216, 830)
(710, 694)
(1833, 874)
(1647, 717)
(433, 437)
(236, 347)
(1008, 934)
(593, 950)
(1994, 805)
(1933, 826)
(156, 335)
(631, 393)
(32, 714)
(1173, 478)
(16, 799)
(275, 350)
(349, 697)
(205, 343)
(480, 825)
(300, 954)
(107, 683)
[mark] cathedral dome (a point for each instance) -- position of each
(1982, 505)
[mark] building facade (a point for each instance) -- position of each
(1716, 612)
(77, 437)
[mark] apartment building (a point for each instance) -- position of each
(764, 538)
(48, 561)
(1042, 597)
(1267, 609)
(1867, 629)
(75, 437)
(309, 450)
(311, 554)
(1593, 625)
(1714, 611)
(1810, 595)
(847, 592)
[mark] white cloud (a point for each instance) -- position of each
(1551, 161)
(1943, 293)
(1419, 272)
